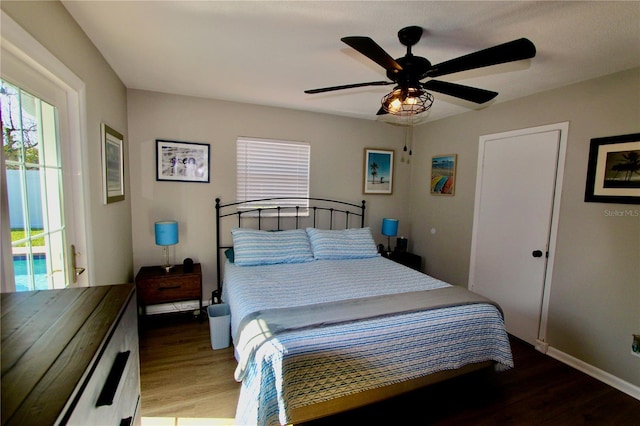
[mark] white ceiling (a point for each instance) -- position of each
(269, 52)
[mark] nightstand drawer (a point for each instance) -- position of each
(167, 289)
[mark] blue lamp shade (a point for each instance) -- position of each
(390, 227)
(166, 232)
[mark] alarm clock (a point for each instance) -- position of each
(188, 264)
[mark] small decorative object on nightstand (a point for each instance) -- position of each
(188, 264)
(156, 285)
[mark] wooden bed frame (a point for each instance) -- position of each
(332, 209)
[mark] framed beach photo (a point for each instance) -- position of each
(112, 165)
(182, 161)
(443, 174)
(613, 171)
(378, 171)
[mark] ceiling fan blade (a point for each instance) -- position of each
(508, 52)
(373, 51)
(468, 93)
(348, 86)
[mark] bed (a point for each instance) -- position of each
(321, 323)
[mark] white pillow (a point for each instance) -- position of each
(352, 243)
(254, 247)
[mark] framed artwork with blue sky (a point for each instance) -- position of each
(378, 171)
(443, 174)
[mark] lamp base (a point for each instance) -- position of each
(166, 265)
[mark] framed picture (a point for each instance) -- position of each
(182, 161)
(613, 171)
(443, 174)
(378, 171)
(112, 165)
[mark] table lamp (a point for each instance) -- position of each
(166, 235)
(389, 229)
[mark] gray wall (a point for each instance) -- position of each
(595, 292)
(110, 225)
(337, 149)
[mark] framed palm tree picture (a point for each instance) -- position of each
(378, 171)
(613, 171)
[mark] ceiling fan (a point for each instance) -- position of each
(411, 96)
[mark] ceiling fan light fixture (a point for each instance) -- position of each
(409, 97)
(411, 101)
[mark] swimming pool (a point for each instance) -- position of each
(21, 273)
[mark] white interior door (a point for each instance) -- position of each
(512, 225)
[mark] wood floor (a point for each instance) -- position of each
(182, 377)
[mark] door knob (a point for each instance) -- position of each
(76, 269)
(537, 253)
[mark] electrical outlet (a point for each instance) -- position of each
(635, 345)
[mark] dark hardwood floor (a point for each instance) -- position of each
(182, 377)
(538, 391)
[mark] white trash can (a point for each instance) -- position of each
(219, 325)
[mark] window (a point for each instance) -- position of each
(272, 169)
(34, 184)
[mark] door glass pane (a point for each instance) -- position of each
(34, 185)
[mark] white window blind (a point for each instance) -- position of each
(269, 169)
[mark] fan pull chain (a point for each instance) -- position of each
(411, 140)
(405, 137)
(410, 131)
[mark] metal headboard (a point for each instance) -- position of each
(325, 206)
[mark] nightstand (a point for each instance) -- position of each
(155, 285)
(405, 258)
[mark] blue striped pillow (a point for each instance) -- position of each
(254, 247)
(352, 243)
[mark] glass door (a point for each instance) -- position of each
(33, 172)
(44, 151)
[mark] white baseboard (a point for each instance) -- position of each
(594, 372)
(542, 346)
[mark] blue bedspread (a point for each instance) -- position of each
(303, 367)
